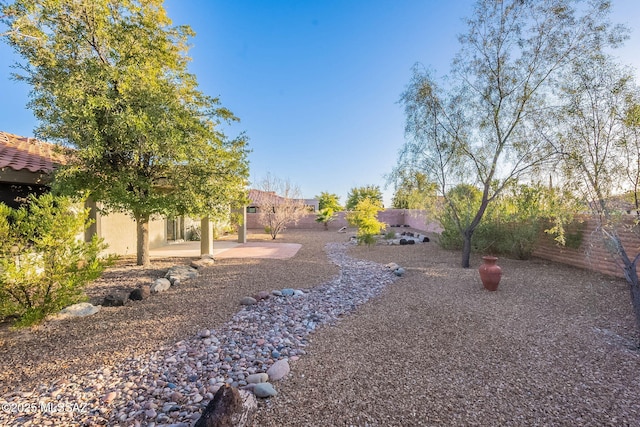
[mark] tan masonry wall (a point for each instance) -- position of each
(414, 218)
(592, 253)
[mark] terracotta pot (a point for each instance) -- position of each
(490, 273)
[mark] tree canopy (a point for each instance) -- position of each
(484, 126)
(329, 200)
(110, 80)
(357, 194)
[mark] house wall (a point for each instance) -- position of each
(119, 232)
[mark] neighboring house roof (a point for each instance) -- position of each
(258, 196)
(20, 153)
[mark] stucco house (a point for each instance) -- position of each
(26, 167)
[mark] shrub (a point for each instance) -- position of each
(365, 218)
(512, 223)
(44, 265)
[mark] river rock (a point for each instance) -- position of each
(278, 370)
(262, 295)
(141, 293)
(287, 292)
(264, 390)
(248, 301)
(258, 378)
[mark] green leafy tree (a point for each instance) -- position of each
(43, 265)
(110, 80)
(486, 126)
(357, 194)
(413, 190)
(365, 218)
(329, 200)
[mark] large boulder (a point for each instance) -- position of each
(113, 301)
(181, 273)
(81, 309)
(138, 294)
(160, 285)
(229, 407)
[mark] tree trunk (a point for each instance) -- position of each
(631, 274)
(142, 236)
(466, 247)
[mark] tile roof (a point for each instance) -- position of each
(19, 153)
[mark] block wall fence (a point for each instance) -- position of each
(414, 218)
(591, 254)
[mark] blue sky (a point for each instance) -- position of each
(315, 83)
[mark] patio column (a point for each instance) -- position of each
(242, 227)
(206, 236)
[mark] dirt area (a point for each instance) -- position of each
(554, 345)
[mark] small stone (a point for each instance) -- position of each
(150, 413)
(262, 295)
(264, 390)
(176, 396)
(258, 378)
(275, 354)
(277, 293)
(205, 333)
(392, 266)
(197, 398)
(278, 370)
(108, 398)
(287, 292)
(399, 272)
(298, 293)
(248, 301)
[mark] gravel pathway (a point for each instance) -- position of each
(171, 385)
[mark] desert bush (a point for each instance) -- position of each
(44, 264)
(365, 218)
(512, 224)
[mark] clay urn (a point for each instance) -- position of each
(490, 273)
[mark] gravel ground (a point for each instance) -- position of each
(554, 346)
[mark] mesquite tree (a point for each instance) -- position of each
(279, 203)
(599, 141)
(483, 126)
(109, 78)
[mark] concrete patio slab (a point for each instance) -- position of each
(262, 250)
(189, 249)
(227, 249)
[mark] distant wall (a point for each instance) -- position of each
(414, 218)
(592, 253)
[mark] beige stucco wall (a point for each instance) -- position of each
(119, 232)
